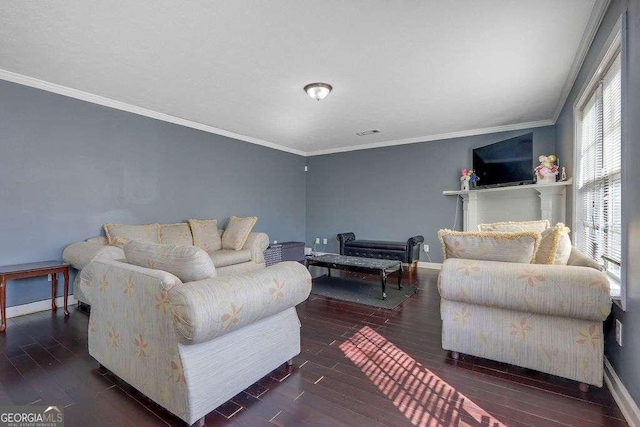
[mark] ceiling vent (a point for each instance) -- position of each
(367, 132)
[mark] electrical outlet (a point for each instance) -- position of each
(619, 332)
(324, 241)
(426, 248)
(317, 240)
(49, 277)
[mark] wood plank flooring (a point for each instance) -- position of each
(359, 366)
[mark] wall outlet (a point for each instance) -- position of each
(324, 241)
(275, 242)
(49, 277)
(317, 240)
(619, 332)
(426, 248)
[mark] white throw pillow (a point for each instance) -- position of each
(490, 245)
(176, 234)
(513, 226)
(119, 234)
(555, 246)
(237, 232)
(205, 234)
(188, 263)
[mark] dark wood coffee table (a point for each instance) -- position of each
(22, 271)
(382, 267)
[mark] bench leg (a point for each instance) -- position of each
(383, 280)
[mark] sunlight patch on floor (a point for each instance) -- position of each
(420, 395)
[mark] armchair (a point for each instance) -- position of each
(543, 317)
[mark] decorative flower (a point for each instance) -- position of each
(232, 317)
(462, 316)
(141, 346)
(589, 337)
(521, 329)
(114, 337)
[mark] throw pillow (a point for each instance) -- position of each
(237, 231)
(518, 247)
(205, 234)
(176, 234)
(555, 246)
(187, 263)
(513, 226)
(119, 234)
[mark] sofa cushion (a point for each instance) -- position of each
(225, 257)
(119, 234)
(205, 234)
(514, 226)
(176, 234)
(490, 245)
(188, 263)
(237, 231)
(555, 246)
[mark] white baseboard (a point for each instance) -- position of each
(433, 265)
(34, 307)
(628, 407)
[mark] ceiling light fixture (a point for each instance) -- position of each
(318, 91)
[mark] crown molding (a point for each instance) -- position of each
(461, 134)
(590, 31)
(107, 102)
(123, 106)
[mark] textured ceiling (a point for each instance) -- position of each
(411, 69)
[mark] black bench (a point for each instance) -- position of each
(407, 252)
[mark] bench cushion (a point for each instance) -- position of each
(377, 244)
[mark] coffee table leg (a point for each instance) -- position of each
(328, 272)
(400, 277)
(3, 303)
(54, 285)
(65, 273)
(383, 279)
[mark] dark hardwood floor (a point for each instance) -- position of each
(359, 366)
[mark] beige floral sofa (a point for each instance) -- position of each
(521, 309)
(250, 256)
(191, 345)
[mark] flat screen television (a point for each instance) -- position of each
(504, 163)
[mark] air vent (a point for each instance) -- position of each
(367, 132)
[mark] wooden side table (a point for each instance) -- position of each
(35, 269)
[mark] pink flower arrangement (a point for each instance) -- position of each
(547, 165)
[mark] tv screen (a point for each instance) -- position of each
(507, 162)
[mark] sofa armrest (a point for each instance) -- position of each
(568, 291)
(344, 238)
(257, 243)
(579, 259)
(80, 254)
(209, 308)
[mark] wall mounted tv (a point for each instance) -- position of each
(504, 163)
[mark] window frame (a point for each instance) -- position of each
(615, 44)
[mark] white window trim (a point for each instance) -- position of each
(616, 42)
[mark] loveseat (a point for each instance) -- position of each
(191, 345)
(227, 261)
(546, 317)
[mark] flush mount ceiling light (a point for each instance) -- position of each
(318, 91)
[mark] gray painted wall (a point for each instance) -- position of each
(394, 193)
(624, 359)
(68, 166)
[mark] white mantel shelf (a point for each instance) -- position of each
(510, 188)
(514, 203)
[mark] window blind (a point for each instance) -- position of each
(598, 215)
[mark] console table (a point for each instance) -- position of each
(35, 269)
